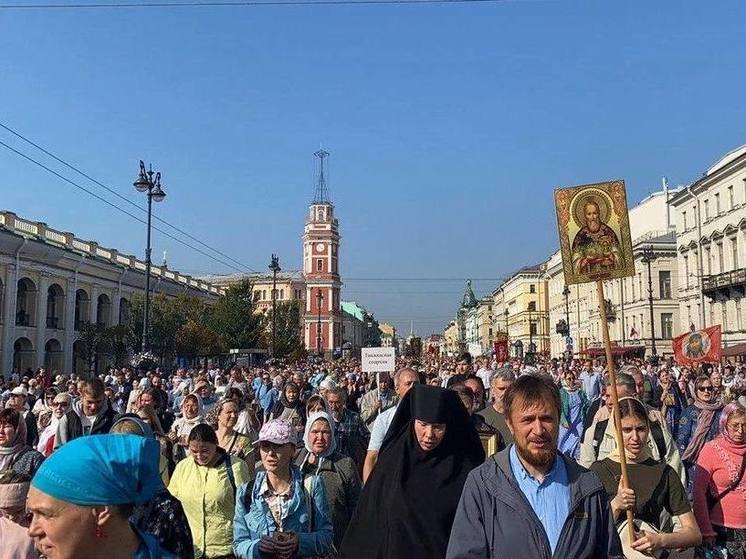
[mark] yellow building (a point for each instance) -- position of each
(452, 338)
(290, 287)
(521, 308)
(388, 334)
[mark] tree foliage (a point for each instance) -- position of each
(234, 320)
(288, 336)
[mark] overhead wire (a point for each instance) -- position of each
(228, 4)
(109, 203)
(115, 193)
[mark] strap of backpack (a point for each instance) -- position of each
(599, 430)
(229, 471)
(660, 442)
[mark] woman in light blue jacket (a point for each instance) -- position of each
(277, 517)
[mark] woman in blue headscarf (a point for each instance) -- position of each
(82, 496)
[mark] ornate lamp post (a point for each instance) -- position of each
(146, 182)
(648, 255)
(274, 265)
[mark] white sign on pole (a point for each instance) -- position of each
(378, 359)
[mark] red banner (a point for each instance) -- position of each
(501, 349)
(700, 346)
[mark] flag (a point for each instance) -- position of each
(700, 346)
(501, 349)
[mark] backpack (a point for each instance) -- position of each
(655, 431)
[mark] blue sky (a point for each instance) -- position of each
(449, 126)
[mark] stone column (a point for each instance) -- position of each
(9, 317)
(92, 310)
(70, 288)
(41, 318)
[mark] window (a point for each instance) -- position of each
(717, 204)
(664, 284)
(532, 328)
(734, 252)
(257, 295)
(708, 261)
(683, 220)
(686, 271)
(731, 199)
(264, 295)
(707, 210)
(667, 325)
(721, 258)
(532, 306)
(319, 265)
(282, 294)
(532, 288)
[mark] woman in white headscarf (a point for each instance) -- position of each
(60, 406)
(320, 458)
(192, 414)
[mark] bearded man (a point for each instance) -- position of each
(531, 501)
(596, 247)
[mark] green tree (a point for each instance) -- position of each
(234, 320)
(96, 343)
(118, 337)
(288, 336)
(166, 318)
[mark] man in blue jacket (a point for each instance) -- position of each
(530, 501)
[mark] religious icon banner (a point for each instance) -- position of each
(700, 346)
(593, 224)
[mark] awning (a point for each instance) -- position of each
(734, 350)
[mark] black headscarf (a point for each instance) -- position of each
(408, 503)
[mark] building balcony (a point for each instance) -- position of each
(725, 285)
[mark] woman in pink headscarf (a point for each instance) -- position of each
(720, 485)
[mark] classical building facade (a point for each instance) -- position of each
(290, 286)
(628, 299)
(710, 239)
(520, 308)
(387, 333)
(52, 282)
(323, 317)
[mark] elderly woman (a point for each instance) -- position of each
(277, 517)
(81, 498)
(720, 485)
(698, 423)
(655, 487)
(16, 543)
(60, 405)
(163, 516)
(15, 453)
(206, 483)
(341, 478)
(192, 414)
(429, 449)
(234, 443)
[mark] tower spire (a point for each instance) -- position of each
(321, 195)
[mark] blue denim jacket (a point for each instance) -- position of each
(253, 518)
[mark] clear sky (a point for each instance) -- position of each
(449, 126)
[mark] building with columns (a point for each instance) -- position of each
(710, 221)
(52, 282)
(290, 286)
(323, 316)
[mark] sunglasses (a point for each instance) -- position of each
(705, 388)
(59, 404)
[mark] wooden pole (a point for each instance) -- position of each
(615, 403)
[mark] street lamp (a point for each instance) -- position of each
(648, 255)
(146, 182)
(566, 293)
(319, 300)
(274, 265)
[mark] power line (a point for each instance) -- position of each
(115, 193)
(107, 202)
(228, 4)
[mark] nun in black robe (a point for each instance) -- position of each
(409, 501)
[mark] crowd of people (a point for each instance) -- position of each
(454, 458)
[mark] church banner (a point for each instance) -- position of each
(593, 224)
(500, 346)
(700, 346)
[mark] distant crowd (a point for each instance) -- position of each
(454, 457)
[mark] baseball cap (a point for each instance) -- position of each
(277, 431)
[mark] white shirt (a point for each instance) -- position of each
(486, 376)
(380, 428)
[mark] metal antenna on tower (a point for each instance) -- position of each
(322, 192)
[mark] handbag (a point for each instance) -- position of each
(630, 553)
